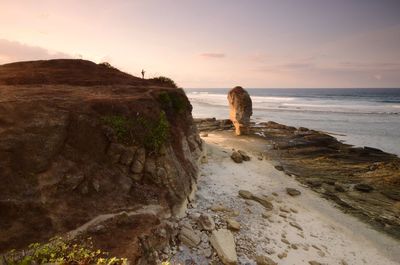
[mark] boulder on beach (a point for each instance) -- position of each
(240, 109)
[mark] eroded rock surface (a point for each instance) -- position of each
(240, 109)
(80, 140)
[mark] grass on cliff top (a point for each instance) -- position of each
(62, 252)
(152, 134)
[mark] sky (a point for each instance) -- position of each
(216, 43)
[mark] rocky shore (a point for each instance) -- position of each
(362, 181)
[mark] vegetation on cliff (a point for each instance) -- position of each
(60, 251)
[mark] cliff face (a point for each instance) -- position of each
(79, 140)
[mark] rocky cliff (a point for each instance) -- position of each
(83, 144)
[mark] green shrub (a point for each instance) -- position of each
(59, 251)
(165, 81)
(121, 126)
(172, 101)
(157, 132)
(151, 133)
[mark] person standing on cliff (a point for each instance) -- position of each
(143, 72)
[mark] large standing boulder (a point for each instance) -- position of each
(240, 109)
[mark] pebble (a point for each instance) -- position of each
(296, 225)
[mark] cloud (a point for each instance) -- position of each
(213, 55)
(12, 51)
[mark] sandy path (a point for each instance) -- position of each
(329, 236)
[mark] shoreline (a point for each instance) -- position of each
(327, 235)
(364, 182)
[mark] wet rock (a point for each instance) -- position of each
(224, 244)
(233, 224)
(339, 187)
(245, 194)
(392, 194)
(293, 192)
(236, 157)
(314, 183)
(264, 260)
(240, 109)
(206, 222)
(363, 187)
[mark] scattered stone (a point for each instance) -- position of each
(363, 187)
(282, 255)
(263, 200)
(296, 225)
(280, 168)
(283, 215)
(294, 246)
(249, 203)
(236, 157)
(188, 236)
(293, 192)
(223, 242)
(204, 135)
(245, 194)
(264, 260)
(233, 224)
(284, 209)
(207, 252)
(284, 240)
(206, 222)
(275, 194)
(266, 215)
(244, 155)
(313, 262)
(343, 262)
(314, 246)
(293, 210)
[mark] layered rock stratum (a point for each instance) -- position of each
(88, 149)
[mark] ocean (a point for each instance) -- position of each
(360, 117)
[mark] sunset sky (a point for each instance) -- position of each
(216, 43)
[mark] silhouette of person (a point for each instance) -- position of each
(143, 72)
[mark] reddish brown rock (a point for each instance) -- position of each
(240, 109)
(80, 140)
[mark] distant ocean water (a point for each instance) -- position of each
(361, 117)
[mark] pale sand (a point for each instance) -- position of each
(339, 237)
